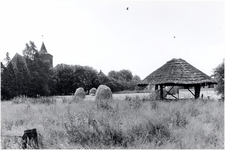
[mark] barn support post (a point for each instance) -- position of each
(156, 88)
(156, 91)
(197, 91)
(161, 92)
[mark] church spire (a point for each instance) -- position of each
(43, 49)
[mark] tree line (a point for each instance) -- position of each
(31, 76)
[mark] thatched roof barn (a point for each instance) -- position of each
(177, 72)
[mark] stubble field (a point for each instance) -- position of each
(131, 121)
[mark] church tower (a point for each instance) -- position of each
(45, 55)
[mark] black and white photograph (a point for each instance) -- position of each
(112, 74)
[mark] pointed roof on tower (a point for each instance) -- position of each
(43, 49)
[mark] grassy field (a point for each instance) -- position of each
(132, 121)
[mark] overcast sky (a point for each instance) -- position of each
(107, 36)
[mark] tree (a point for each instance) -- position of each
(122, 75)
(114, 85)
(8, 82)
(7, 59)
(22, 77)
(125, 75)
(125, 79)
(86, 77)
(45, 73)
(30, 50)
(2, 68)
(64, 77)
(136, 78)
(40, 79)
(90, 78)
(113, 74)
(102, 78)
(78, 77)
(70, 77)
(133, 83)
(219, 76)
(33, 84)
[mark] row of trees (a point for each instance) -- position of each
(31, 76)
(70, 77)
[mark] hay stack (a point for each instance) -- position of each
(79, 94)
(92, 91)
(103, 96)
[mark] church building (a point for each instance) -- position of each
(43, 52)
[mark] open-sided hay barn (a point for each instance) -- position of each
(177, 72)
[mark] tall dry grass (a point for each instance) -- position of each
(129, 123)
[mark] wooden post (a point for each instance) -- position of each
(197, 91)
(156, 87)
(161, 92)
(30, 138)
(156, 92)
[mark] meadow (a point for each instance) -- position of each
(131, 121)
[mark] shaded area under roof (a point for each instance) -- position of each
(179, 72)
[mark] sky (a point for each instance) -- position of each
(107, 36)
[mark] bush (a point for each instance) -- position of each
(178, 119)
(40, 100)
(103, 96)
(79, 94)
(219, 77)
(154, 105)
(149, 132)
(43, 100)
(134, 102)
(92, 91)
(67, 99)
(19, 99)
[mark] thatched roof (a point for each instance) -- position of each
(179, 72)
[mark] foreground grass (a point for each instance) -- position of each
(128, 123)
